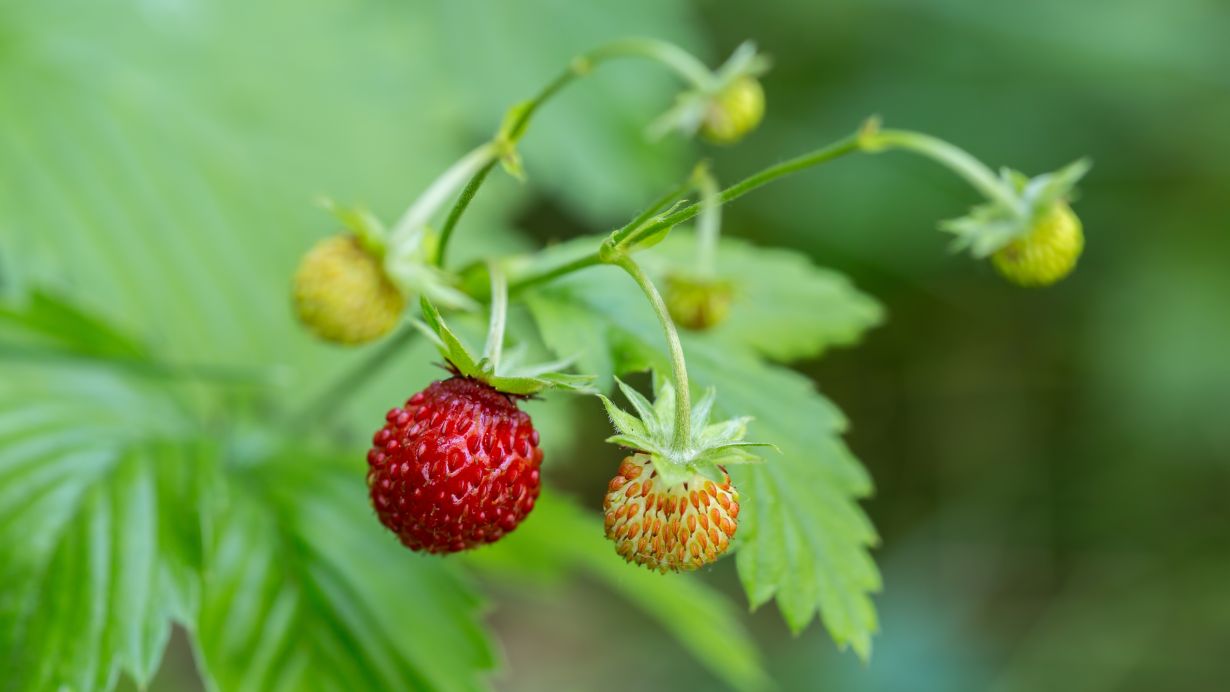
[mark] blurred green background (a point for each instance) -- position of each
(1051, 466)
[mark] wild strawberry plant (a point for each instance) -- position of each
(137, 492)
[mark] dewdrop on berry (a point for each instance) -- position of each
(342, 294)
(734, 111)
(1047, 253)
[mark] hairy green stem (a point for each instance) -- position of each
(513, 130)
(499, 316)
(684, 64)
(836, 150)
(679, 367)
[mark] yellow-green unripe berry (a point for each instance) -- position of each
(342, 294)
(1047, 253)
(698, 304)
(734, 111)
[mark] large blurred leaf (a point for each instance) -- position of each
(803, 537)
(100, 513)
(785, 307)
(559, 537)
(167, 182)
(307, 591)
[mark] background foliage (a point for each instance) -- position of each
(1049, 466)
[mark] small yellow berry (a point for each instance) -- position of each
(698, 304)
(342, 294)
(1047, 253)
(734, 112)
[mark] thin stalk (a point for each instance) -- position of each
(645, 216)
(683, 63)
(553, 273)
(848, 145)
(514, 131)
(499, 316)
(679, 367)
(951, 156)
(459, 208)
(421, 210)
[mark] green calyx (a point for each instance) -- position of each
(1016, 204)
(725, 106)
(652, 430)
(996, 224)
(503, 374)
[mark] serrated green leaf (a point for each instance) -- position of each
(102, 544)
(559, 537)
(307, 591)
(784, 306)
(804, 539)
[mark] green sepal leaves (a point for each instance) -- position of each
(507, 376)
(652, 428)
(411, 267)
(688, 114)
(992, 225)
(360, 221)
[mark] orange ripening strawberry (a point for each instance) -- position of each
(669, 527)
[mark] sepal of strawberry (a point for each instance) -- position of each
(651, 430)
(503, 375)
(725, 107)
(991, 226)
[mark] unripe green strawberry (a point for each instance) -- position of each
(677, 527)
(1047, 253)
(734, 111)
(698, 304)
(342, 294)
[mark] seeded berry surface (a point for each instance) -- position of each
(678, 528)
(455, 468)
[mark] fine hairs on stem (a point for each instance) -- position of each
(679, 368)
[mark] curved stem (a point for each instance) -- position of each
(683, 63)
(679, 368)
(513, 130)
(499, 316)
(459, 208)
(421, 210)
(848, 145)
(951, 156)
(833, 151)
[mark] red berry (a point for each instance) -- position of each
(454, 469)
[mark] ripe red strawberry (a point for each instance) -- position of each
(669, 527)
(456, 468)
